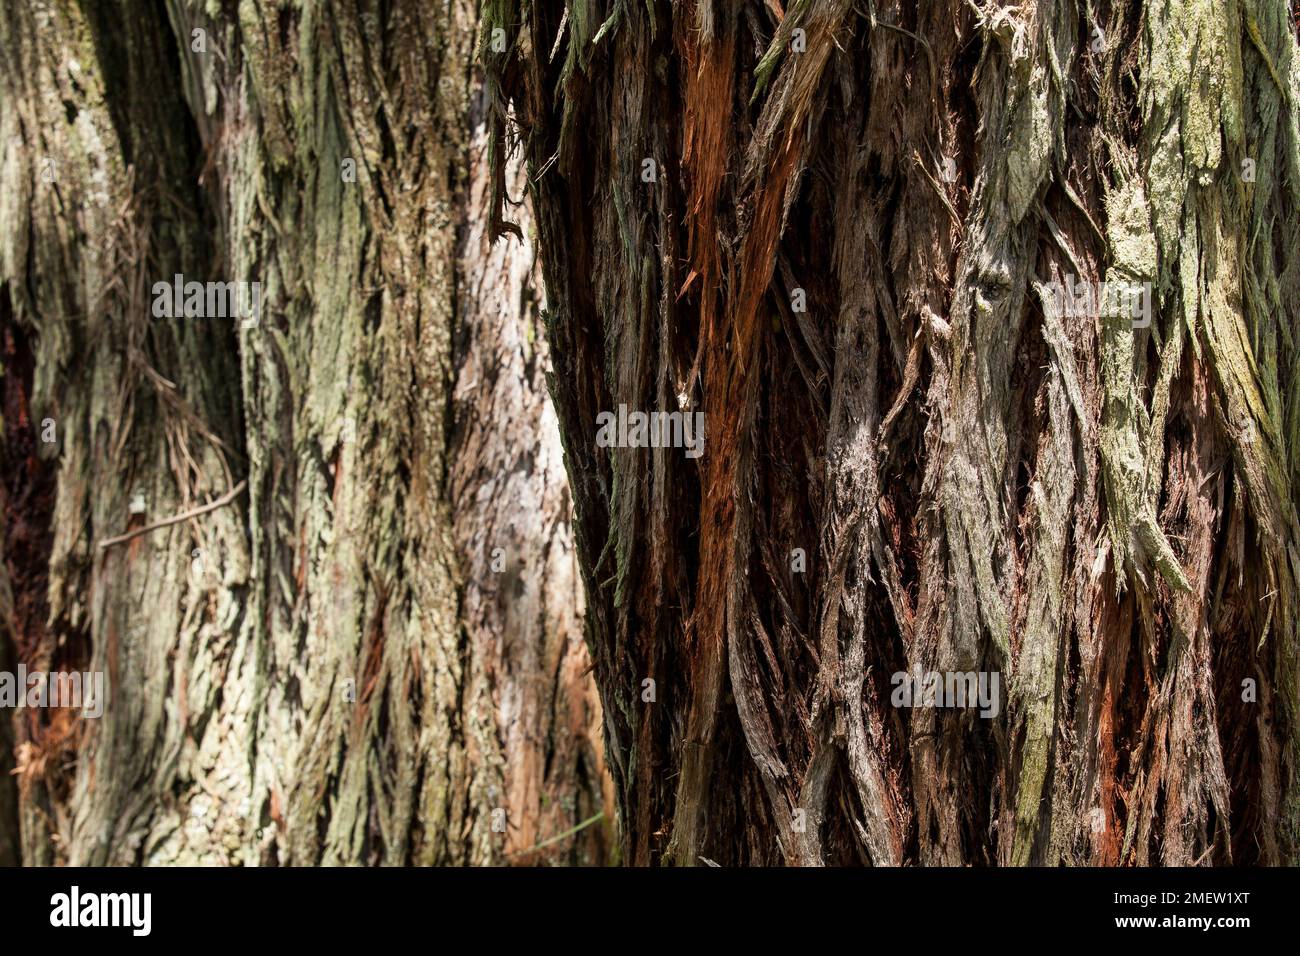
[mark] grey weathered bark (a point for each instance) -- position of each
(1102, 513)
(328, 669)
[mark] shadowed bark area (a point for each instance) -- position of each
(98, 201)
(838, 230)
(25, 506)
(327, 668)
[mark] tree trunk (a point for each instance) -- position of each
(329, 666)
(838, 232)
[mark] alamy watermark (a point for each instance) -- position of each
(53, 689)
(981, 689)
(1074, 298)
(626, 429)
(208, 300)
(130, 910)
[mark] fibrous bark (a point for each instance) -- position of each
(328, 669)
(1103, 513)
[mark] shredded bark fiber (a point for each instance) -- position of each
(1101, 512)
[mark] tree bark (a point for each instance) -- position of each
(1103, 514)
(329, 668)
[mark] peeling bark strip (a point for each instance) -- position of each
(844, 257)
(327, 668)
